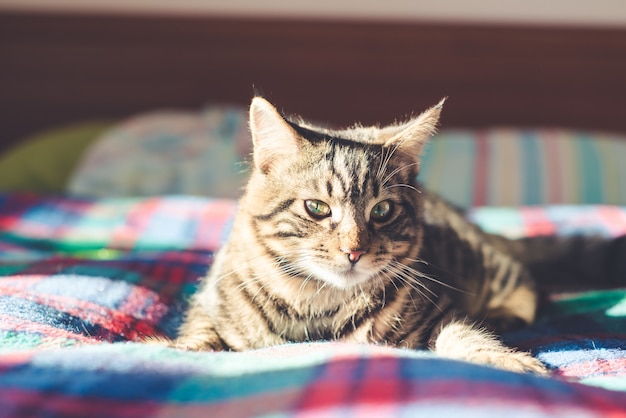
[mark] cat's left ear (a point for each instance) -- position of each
(272, 136)
(410, 137)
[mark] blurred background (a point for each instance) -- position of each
(531, 63)
(563, 12)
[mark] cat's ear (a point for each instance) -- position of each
(272, 136)
(410, 137)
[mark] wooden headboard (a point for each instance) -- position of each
(57, 68)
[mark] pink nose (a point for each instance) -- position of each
(355, 255)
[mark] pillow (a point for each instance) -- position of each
(44, 162)
(201, 153)
(168, 152)
(513, 167)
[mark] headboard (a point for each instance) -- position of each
(59, 68)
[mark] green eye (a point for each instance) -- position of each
(382, 211)
(317, 209)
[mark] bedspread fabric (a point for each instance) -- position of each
(83, 280)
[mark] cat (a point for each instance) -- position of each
(334, 239)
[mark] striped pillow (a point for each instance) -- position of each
(168, 152)
(512, 167)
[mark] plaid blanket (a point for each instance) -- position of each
(82, 280)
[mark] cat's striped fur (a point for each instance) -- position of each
(335, 240)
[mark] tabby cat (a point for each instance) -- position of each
(334, 239)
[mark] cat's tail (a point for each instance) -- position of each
(575, 262)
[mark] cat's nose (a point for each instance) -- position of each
(355, 255)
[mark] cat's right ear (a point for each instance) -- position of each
(272, 136)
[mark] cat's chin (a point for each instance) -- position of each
(344, 280)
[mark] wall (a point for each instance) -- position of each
(599, 13)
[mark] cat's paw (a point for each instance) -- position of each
(185, 344)
(515, 361)
(465, 341)
(156, 340)
(198, 344)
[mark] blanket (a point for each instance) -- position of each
(82, 280)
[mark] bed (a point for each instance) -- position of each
(90, 261)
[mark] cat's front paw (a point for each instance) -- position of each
(198, 344)
(465, 341)
(516, 361)
(157, 340)
(185, 344)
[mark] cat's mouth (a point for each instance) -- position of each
(343, 277)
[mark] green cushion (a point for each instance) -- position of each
(44, 162)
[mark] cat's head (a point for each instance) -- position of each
(338, 206)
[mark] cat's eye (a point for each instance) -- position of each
(317, 209)
(382, 211)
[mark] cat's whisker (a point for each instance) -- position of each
(264, 283)
(432, 279)
(417, 260)
(236, 271)
(391, 278)
(409, 283)
(406, 272)
(302, 286)
(386, 155)
(365, 299)
(401, 185)
(278, 262)
(411, 277)
(388, 277)
(392, 150)
(396, 171)
(379, 277)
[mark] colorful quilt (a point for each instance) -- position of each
(81, 280)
